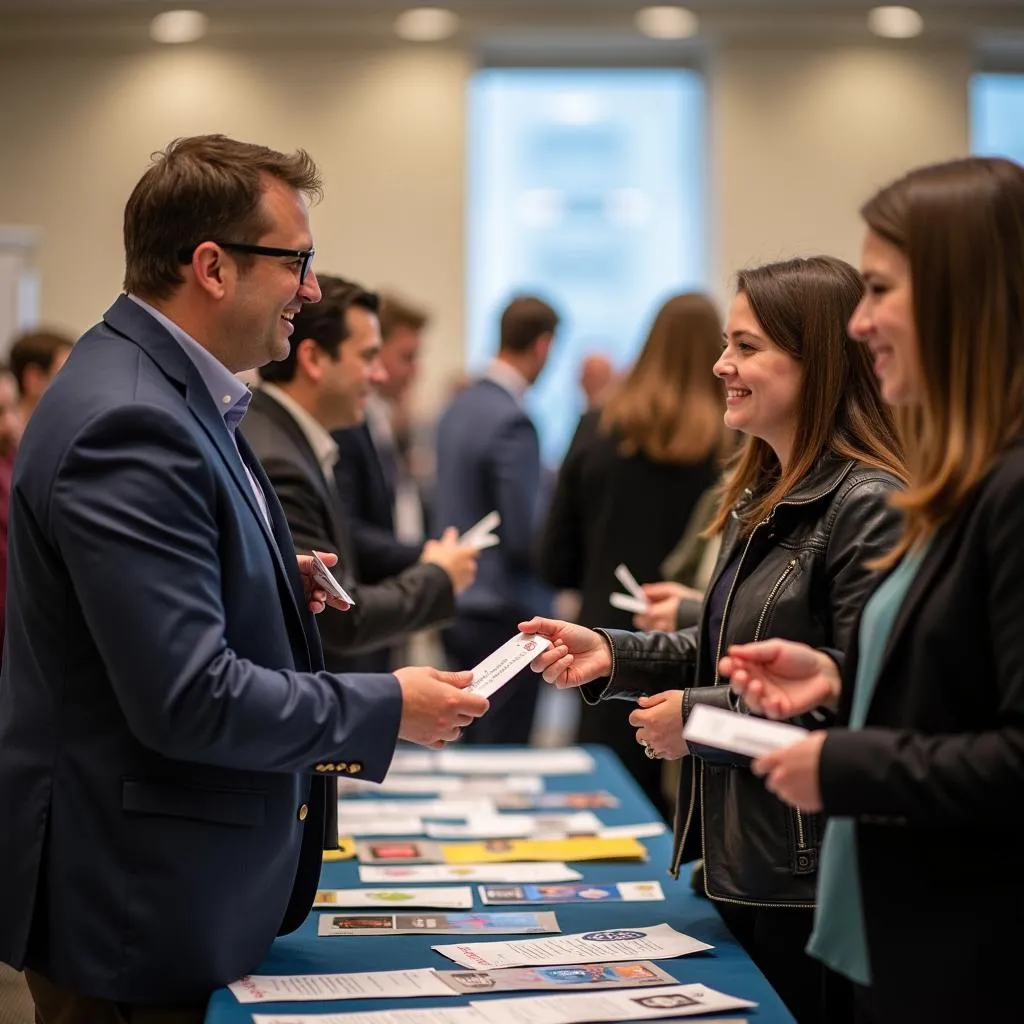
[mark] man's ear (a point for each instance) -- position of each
(308, 360)
(213, 272)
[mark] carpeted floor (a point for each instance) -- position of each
(15, 1002)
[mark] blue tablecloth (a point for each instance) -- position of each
(726, 968)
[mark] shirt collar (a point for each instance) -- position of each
(229, 393)
(506, 376)
(325, 448)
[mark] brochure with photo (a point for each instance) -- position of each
(479, 923)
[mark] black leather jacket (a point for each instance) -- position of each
(801, 576)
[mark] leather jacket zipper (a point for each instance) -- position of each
(677, 854)
(790, 566)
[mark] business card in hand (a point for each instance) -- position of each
(506, 662)
(480, 535)
(739, 734)
(325, 578)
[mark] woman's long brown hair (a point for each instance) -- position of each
(669, 405)
(803, 306)
(961, 226)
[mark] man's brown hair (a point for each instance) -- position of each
(525, 319)
(36, 348)
(204, 188)
(396, 312)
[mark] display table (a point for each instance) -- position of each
(726, 968)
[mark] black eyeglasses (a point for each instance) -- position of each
(306, 255)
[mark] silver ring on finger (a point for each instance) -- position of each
(649, 751)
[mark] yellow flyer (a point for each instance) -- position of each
(497, 851)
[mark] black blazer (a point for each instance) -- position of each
(610, 508)
(935, 781)
(384, 612)
(369, 502)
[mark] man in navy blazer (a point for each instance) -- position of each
(488, 458)
(165, 720)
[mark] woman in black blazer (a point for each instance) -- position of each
(920, 894)
(633, 474)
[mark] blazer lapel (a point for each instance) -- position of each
(133, 322)
(942, 547)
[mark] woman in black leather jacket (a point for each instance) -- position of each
(804, 507)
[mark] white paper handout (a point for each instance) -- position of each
(497, 785)
(507, 874)
(440, 809)
(300, 988)
(658, 942)
(739, 734)
(641, 830)
(433, 1015)
(324, 576)
(561, 761)
(383, 826)
(481, 535)
(505, 664)
(459, 897)
(519, 826)
(582, 1007)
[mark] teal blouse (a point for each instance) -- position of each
(839, 939)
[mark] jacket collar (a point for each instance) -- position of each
(131, 321)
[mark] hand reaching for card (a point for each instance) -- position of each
(435, 705)
(577, 655)
(780, 678)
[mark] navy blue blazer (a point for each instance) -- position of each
(369, 501)
(488, 458)
(162, 701)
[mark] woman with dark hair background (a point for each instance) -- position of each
(635, 470)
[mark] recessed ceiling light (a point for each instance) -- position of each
(895, 22)
(667, 22)
(426, 24)
(179, 26)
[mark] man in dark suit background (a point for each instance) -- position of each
(165, 720)
(323, 384)
(488, 458)
(370, 471)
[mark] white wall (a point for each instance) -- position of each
(798, 138)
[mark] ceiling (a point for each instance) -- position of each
(487, 20)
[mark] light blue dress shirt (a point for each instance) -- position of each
(230, 394)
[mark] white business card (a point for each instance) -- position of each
(739, 734)
(506, 662)
(628, 603)
(326, 579)
(481, 535)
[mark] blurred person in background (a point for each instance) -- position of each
(488, 459)
(628, 486)
(805, 511)
(597, 375)
(10, 432)
(35, 359)
(371, 474)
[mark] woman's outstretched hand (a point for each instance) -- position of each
(780, 678)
